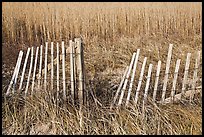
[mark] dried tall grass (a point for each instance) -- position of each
(111, 33)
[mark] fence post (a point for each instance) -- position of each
(52, 66)
(24, 68)
(132, 77)
(63, 70)
(140, 80)
(156, 80)
(175, 79)
(30, 69)
(36, 59)
(45, 76)
(126, 80)
(79, 51)
(14, 74)
(185, 74)
(120, 86)
(147, 86)
(167, 72)
(40, 66)
(17, 70)
(72, 48)
(195, 77)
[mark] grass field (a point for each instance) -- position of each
(111, 33)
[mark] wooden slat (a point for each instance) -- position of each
(63, 71)
(17, 71)
(175, 79)
(185, 74)
(195, 75)
(140, 80)
(167, 72)
(57, 69)
(72, 48)
(132, 77)
(126, 80)
(40, 66)
(24, 68)
(45, 69)
(30, 69)
(14, 73)
(147, 85)
(119, 88)
(36, 59)
(156, 81)
(52, 66)
(177, 97)
(54, 62)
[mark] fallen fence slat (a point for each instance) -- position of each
(36, 59)
(177, 97)
(175, 79)
(126, 80)
(185, 74)
(24, 68)
(30, 69)
(17, 71)
(167, 71)
(140, 80)
(147, 85)
(132, 76)
(119, 88)
(13, 77)
(156, 81)
(195, 77)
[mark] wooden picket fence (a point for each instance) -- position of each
(77, 78)
(41, 81)
(129, 77)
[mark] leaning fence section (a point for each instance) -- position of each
(176, 94)
(37, 73)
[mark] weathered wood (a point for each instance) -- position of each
(132, 77)
(30, 69)
(175, 79)
(126, 79)
(63, 71)
(17, 71)
(156, 80)
(147, 85)
(71, 44)
(195, 76)
(45, 76)
(140, 80)
(36, 59)
(119, 88)
(167, 72)
(177, 97)
(24, 68)
(79, 51)
(57, 69)
(14, 73)
(40, 66)
(54, 62)
(185, 74)
(52, 66)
